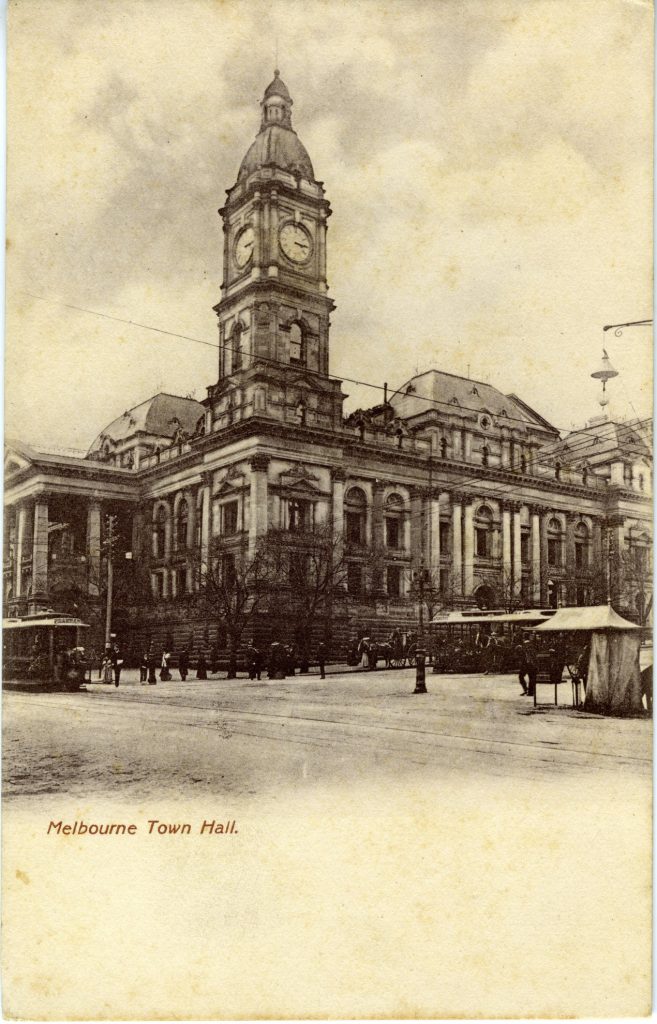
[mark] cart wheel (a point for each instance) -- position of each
(397, 662)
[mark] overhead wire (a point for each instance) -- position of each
(545, 459)
(280, 362)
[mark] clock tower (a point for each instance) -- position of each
(274, 310)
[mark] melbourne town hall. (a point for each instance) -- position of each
(263, 510)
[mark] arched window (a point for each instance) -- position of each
(557, 471)
(484, 532)
(585, 475)
(159, 533)
(485, 452)
(181, 524)
(523, 462)
(582, 546)
(394, 521)
(555, 542)
(297, 345)
(236, 346)
(355, 516)
(443, 447)
(641, 481)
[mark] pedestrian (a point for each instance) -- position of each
(201, 666)
(521, 660)
(531, 659)
(183, 664)
(253, 656)
(143, 668)
(152, 665)
(321, 659)
(117, 664)
(165, 675)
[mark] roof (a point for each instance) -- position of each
(160, 415)
(604, 438)
(595, 617)
(277, 87)
(440, 390)
(526, 615)
(280, 146)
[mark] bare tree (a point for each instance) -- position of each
(234, 586)
(306, 570)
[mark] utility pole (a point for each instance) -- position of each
(111, 527)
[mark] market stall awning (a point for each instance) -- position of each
(597, 617)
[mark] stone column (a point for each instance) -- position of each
(258, 497)
(432, 541)
(190, 582)
(206, 511)
(273, 234)
(168, 533)
(544, 556)
(507, 577)
(457, 537)
(616, 543)
(19, 549)
(338, 477)
(516, 573)
(378, 538)
(457, 450)
(571, 519)
(597, 560)
(40, 547)
(468, 549)
(416, 527)
(93, 547)
(535, 544)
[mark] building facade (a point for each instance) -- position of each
(448, 489)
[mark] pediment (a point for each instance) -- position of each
(304, 487)
(15, 463)
(226, 489)
(299, 472)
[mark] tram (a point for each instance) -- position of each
(474, 640)
(43, 651)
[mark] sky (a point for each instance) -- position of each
(489, 165)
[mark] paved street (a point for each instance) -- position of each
(395, 853)
(242, 737)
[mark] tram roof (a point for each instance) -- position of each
(30, 621)
(477, 617)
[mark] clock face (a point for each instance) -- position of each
(296, 243)
(243, 248)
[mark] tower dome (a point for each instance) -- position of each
(277, 143)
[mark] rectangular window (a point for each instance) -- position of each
(181, 582)
(354, 578)
(581, 556)
(230, 513)
(393, 532)
(354, 524)
(393, 581)
(298, 516)
(554, 552)
(481, 542)
(524, 548)
(444, 538)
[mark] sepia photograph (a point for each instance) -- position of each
(327, 540)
